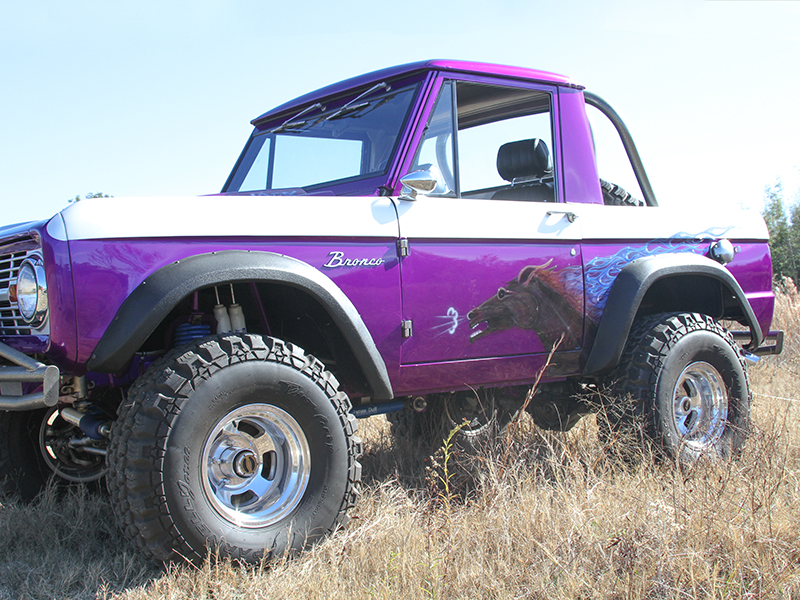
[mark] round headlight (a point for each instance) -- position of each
(32, 291)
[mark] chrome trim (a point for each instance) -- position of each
(571, 216)
(700, 406)
(35, 262)
(426, 181)
(256, 464)
(12, 254)
(28, 370)
(722, 251)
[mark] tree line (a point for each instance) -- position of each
(784, 230)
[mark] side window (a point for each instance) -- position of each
(436, 149)
(617, 179)
(503, 143)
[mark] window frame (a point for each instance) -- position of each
(347, 185)
(456, 78)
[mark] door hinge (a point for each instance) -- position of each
(402, 247)
(406, 328)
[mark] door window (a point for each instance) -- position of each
(503, 142)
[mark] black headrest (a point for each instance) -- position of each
(523, 159)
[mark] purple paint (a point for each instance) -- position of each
(581, 182)
(450, 236)
(465, 254)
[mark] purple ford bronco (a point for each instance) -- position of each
(417, 241)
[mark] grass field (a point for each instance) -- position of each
(549, 516)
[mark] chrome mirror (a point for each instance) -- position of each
(424, 181)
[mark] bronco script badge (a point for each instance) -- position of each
(337, 259)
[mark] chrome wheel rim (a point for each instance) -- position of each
(700, 405)
(255, 465)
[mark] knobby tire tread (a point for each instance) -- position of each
(634, 381)
(136, 485)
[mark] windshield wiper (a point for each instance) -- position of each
(296, 124)
(349, 106)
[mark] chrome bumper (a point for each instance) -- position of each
(27, 370)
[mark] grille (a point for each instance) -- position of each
(11, 322)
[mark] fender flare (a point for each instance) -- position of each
(160, 292)
(629, 289)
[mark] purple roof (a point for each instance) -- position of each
(455, 66)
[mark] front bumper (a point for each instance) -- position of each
(26, 371)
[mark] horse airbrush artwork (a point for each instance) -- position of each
(539, 299)
(549, 301)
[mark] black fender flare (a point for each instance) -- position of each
(161, 291)
(629, 289)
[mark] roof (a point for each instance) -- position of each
(456, 66)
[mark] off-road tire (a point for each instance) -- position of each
(23, 472)
(420, 430)
(614, 195)
(681, 385)
(168, 488)
(487, 412)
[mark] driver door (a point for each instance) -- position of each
(494, 257)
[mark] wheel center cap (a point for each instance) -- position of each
(245, 464)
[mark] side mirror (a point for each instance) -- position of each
(424, 181)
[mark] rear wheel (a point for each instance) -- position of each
(240, 445)
(684, 387)
(482, 414)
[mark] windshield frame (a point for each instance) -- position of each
(367, 183)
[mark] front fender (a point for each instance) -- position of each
(156, 296)
(630, 287)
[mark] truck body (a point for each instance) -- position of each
(423, 231)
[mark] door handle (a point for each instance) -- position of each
(571, 216)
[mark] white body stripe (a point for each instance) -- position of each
(607, 223)
(460, 219)
(231, 216)
(425, 218)
(453, 218)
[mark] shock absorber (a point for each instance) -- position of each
(221, 315)
(231, 318)
(237, 315)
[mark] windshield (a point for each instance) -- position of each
(348, 139)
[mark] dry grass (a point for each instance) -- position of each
(552, 518)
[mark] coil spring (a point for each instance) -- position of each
(186, 332)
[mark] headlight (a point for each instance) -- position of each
(32, 291)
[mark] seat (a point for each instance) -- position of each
(526, 165)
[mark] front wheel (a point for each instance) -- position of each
(683, 384)
(23, 472)
(37, 444)
(240, 445)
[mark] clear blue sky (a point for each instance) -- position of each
(155, 97)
